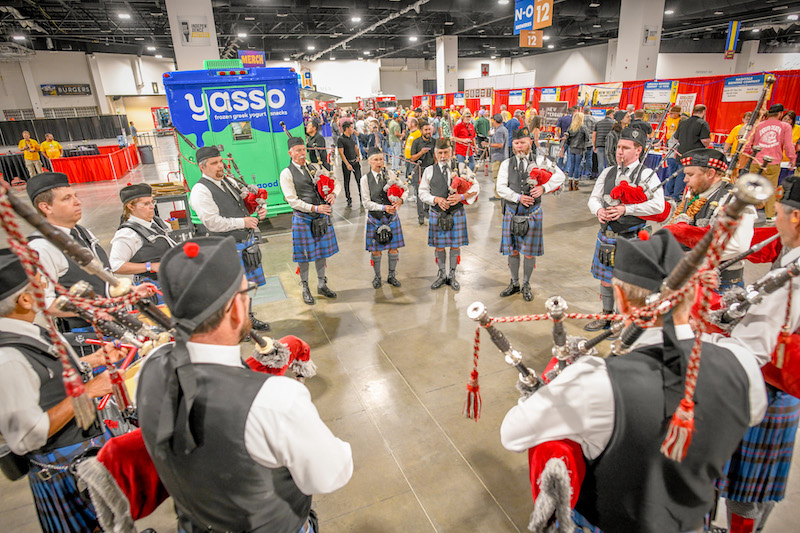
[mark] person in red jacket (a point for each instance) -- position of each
(464, 137)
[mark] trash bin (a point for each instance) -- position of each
(146, 154)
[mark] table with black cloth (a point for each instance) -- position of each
(86, 149)
(12, 165)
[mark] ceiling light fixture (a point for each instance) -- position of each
(413, 38)
(366, 52)
(492, 57)
(249, 18)
(594, 4)
(355, 19)
(546, 38)
(19, 37)
(792, 17)
(333, 58)
(159, 56)
(286, 59)
(281, 15)
(596, 26)
(124, 16)
(669, 12)
(502, 2)
(311, 47)
(151, 48)
(755, 30)
(448, 22)
(779, 8)
(241, 35)
(550, 46)
(719, 13)
(138, 38)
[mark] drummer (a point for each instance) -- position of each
(142, 238)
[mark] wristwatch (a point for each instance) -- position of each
(147, 266)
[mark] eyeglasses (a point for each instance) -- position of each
(249, 291)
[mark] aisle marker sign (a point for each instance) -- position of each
(531, 39)
(732, 39)
(543, 14)
(523, 15)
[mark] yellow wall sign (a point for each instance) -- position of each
(531, 39)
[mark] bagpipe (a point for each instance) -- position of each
(462, 180)
(678, 285)
(324, 183)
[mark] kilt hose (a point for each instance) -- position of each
(397, 233)
(305, 247)
(759, 469)
(455, 238)
(532, 244)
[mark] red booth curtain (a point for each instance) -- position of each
(87, 168)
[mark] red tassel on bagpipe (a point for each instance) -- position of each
(472, 405)
(679, 433)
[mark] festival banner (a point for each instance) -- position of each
(732, 39)
(601, 94)
(659, 92)
(552, 111)
(686, 102)
(653, 112)
(516, 97)
(743, 88)
(550, 94)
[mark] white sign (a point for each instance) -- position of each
(550, 94)
(516, 97)
(743, 88)
(458, 99)
(659, 92)
(194, 31)
(686, 102)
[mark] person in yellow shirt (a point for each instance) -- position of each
(30, 150)
(51, 147)
(789, 117)
(671, 123)
(504, 113)
(413, 133)
(530, 112)
(732, 142)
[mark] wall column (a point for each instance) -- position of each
(194, 37)
(97, 85)
(446, 64)
(639, 40)
(33, 90)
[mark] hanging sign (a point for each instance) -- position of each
(732, 39)
(542, 14)
(439, 99)
(252, 58)
(516, 97)
(458, 99)
(68, 89)
(550, 94)
(523, 15)
(659, 92)
(531, 39)
(601, 94)
(743, 88)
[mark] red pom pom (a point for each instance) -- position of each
(129, 184)
(191, 249)
(644, 236)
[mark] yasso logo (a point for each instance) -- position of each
(237, 100)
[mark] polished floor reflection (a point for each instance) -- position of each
(393, 365)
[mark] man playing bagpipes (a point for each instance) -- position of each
(621, 203)
(313, 237)
(705, 194)
(237, 450)
(383, 195)
(611, 416)
(758, 471)
(447, 191)
(54, 199)
(221, 207)
(37, 419)
(521, 181)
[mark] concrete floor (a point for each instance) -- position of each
(393, 365)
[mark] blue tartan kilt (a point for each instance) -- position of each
(305, 247)
(254, 275)
(59, 503)
(759, 469)
(397, 233)
(455, 238)
(532, 243)
(599, 271)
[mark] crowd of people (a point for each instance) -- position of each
(242, 451)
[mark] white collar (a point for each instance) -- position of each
(214, 354)
(141, 221)
(298, 167)
(23, 327)
(218, 182)
(789, 256)
(654, 335)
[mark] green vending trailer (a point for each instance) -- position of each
(240, 109)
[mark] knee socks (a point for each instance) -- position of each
(513, 266)
(303, 267)
(320, 264)
(393, 258)
(527, 269)
(376, 265)
(607, 295)
(441, 260)
(454, 254)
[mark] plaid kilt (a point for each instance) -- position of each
(305, 247)
(397, 233)
(533, 242)
(59, 503)
(759, 468)
(601, 272)
(455, 238)
(254, 275)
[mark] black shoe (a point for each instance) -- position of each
(439, 282)
(513, 288)
(451, 280)
(258, 325)
(325, 291)
(349, 203)
(376, 282)
(597, 325)
(421, 221)
(527, 293)
(307, 298)
(391, 280)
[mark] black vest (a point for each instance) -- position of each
(48, 368)
(154, 244)
(625, 223)
(711, 204)
(517, 182)
(304, 186)
(440, 187)
(377, 194)
(229, 207)
(631, 486)
(218, 486)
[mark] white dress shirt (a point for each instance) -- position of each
(126, 242)
(424, 193)
(23, 424)
(758, 330)
(647, 181)
(283, 427)
(53, 261)
(290, 194)
(369, 205)
(579, 403)
(505, 192)
(208, 211)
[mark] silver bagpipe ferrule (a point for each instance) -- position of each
(527, 377)
(750, 189)
(755, 292)
(556, 306)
